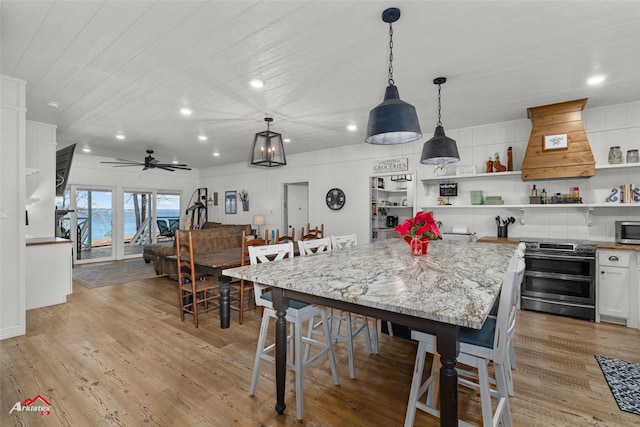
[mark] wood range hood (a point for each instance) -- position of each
(558, 146)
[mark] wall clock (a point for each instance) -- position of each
(335, 199)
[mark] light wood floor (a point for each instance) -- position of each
(120, 355)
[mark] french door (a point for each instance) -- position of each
(138, 227)
(93, 231)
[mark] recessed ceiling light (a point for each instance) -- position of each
(256, 83)
(53, 104)
(175, 162)
(186, 111)
(352, 128)
(216, 154)
(202, 137)
(286, 140)
(86, 150)
(595, 80)
(120, 136)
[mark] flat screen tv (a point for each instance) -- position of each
(64, 156)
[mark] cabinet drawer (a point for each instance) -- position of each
(614, 258)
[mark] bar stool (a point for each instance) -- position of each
(477, 349)
(297, 313)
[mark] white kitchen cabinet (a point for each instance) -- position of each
(49, 277)
(616, 287)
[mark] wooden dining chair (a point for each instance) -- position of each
(286, 238)
(317, 231)
(477, 349)
(298, 313)
(308, 236)
(194, 290)
(243, 289)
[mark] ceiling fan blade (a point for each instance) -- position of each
(164, 168)
(174, 166)
(126, 165)
(124, 162)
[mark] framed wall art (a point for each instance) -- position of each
(230, 200)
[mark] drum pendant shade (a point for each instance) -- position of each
(393, 121)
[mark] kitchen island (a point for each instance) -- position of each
(454, 285)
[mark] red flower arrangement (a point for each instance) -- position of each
(421, 226)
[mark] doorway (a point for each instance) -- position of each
(94, 225)
(296, 206)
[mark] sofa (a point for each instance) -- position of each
(211, 236)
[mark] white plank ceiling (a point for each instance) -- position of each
(128, 66)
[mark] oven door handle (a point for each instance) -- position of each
(558, 276)
(560, 257)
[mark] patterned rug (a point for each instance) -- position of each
(112, 273)
(624, 381)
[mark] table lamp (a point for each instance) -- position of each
(259, 220)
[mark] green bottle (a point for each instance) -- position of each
(543, 196)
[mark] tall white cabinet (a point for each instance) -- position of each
(12, 208)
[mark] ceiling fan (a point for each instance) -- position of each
(149, 163)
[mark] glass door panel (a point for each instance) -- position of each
(94, 239)
(167, 216)
(138, 217)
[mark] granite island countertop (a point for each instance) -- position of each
(599, 244)
(456, 282)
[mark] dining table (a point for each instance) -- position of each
(453, 285)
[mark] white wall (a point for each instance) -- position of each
(41, 186)
(12, 204)
(349, 168)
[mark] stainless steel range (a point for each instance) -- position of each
(560, 277)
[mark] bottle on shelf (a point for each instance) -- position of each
(534, 191)
(489, 165)
(576, 192)
(509, 159)
(543, 196)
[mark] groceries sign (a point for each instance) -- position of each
(393, 165)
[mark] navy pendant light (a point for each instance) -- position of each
(393, 121)
(440, 149)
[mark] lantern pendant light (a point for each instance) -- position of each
(440, 149)
(268, 149)
(393, 121)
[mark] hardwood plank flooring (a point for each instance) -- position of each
(120, 355)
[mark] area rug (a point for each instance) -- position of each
(113, 273)
(624, 381)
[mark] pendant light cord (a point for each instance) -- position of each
(439, 108)
(391, 82)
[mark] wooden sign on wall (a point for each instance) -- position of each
(392, 165)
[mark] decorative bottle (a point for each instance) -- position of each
(534, 191)
(509, 159)
(615, 155)
(489, 165)
(543, 197)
